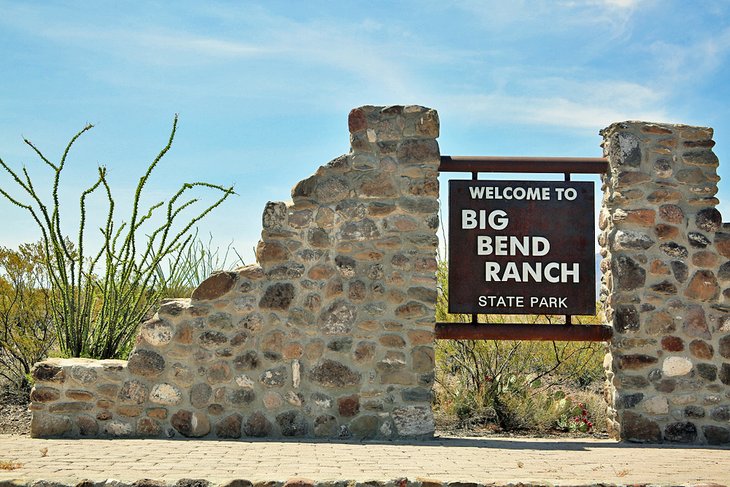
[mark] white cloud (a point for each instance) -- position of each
(523, 18)
(160, 47)
(202, 45)
(609, 4)
(689, 61)
(621, 3)
(365, 61)
(359, 51)
(562, 103)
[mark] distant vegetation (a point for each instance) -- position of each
(26, 324)
(513, 385)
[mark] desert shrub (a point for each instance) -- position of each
(99, 297)
(26, 330)
(592, 406)
(514, 384)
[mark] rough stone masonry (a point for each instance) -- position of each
(329, 335)
(666, 285)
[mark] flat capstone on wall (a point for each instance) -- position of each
(329, 335)
(666, 285)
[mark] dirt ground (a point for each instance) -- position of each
(14, 413)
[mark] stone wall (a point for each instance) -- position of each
(330, 335)
(666, 285)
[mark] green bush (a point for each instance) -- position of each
(26, 331)
(98, 298)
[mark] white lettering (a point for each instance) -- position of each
(468, 219)
(530, 272)
(502, 301)
(511, 245)
(512, 193)
(549, 277)
(477, 192)
(540, 246)
(500, 244)
(491, 268)
(548, 302)
(514, 244)
(511, 273)
(484, 245)
(496, 219)
(554, 272)
(564, 272)
(568, 193)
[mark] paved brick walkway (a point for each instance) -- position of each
(485, 461)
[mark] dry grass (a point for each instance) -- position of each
(5, 465)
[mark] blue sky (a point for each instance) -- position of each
(263, 89)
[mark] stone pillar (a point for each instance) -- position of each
(664, 285)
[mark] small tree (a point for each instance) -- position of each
(99, 298)
(26, 330)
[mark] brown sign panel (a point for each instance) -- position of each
(521, 247)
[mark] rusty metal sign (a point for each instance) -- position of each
(521, 247)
